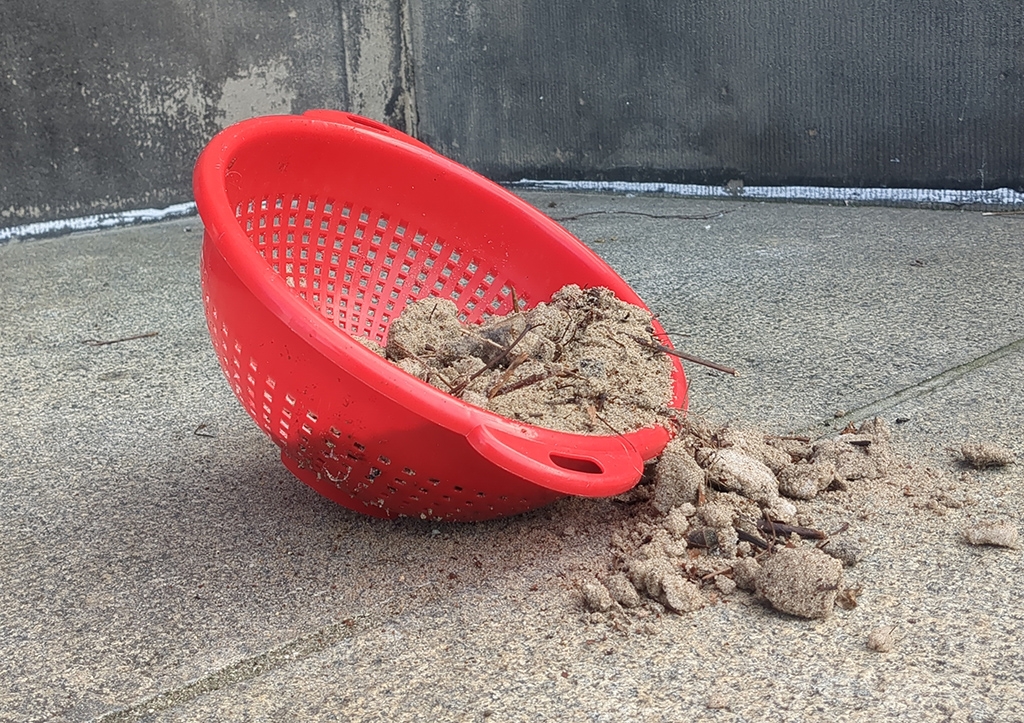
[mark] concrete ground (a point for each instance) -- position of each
(157, 561)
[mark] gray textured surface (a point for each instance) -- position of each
(866, 93)
(836, 307)
(104, 104)
(145, 568)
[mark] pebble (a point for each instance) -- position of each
(882, 640)
(997, 533)
(846, 551)
(801, 581)
(982, 455)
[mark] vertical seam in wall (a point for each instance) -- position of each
(345, 53)
(405, 69)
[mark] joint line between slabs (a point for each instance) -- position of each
(237, 672)
(927, 386)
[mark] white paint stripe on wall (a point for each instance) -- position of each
(98, 221)
(910, 196)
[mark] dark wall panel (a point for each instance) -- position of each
(905, 93)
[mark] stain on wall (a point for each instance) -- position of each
(256, 91)
(377, 61)
(105, 104)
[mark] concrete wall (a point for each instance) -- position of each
(104, 104)
(857, 93)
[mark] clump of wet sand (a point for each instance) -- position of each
(719, 514)
(584, 362)
(997, 533)
(983, 455)
(730, 511)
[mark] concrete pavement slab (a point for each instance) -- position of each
(158, 562)
(821, 308)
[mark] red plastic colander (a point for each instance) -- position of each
(324, 226)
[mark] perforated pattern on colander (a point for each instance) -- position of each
(355, 467)
(359, 267)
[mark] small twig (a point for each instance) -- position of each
(524, 382)
(682, 355)
(198, 431)
(461, 386)
(752, 539)
(480, 337)
(673, 216)
(97, 342)
(715, 573)
(513, 365)
(431, 372)
(778, 529)
(611, 337)
(842, 528)
(605, 423)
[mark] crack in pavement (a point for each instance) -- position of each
(921, 388)
(237, 672)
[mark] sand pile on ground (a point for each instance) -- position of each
(725, 512)
(983, 455)
(728, 512)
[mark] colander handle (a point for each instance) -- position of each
(604, 467)
(352, 120)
